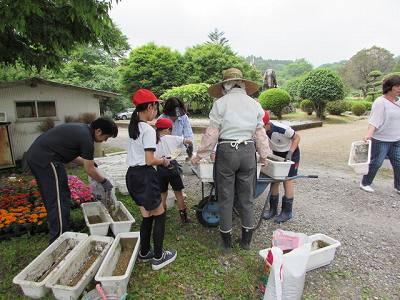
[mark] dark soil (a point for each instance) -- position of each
(319, 244)
(118, 215)
(94, 219)
(95, 249)
(127, 247)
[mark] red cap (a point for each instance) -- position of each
(266, 117)
(163, 123)
(143, 96)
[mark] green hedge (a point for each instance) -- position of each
(307, 106)
(358, 109)
(275, 100)
(336, 107)
(194, 95)
(367, 104)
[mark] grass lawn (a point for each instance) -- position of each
(330, 119)
(200, 271)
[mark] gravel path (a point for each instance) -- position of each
(366, 266)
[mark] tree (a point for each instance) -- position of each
(42, 33)
(205, 63)
(321, 86)
(296, 68)
(153, 67)
(374, 81)
(217, 37)
(292, 87)
(356, 70)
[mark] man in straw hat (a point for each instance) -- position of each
(235, 120)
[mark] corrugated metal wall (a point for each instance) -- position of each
(69, 102)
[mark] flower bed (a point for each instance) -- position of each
(21, 206)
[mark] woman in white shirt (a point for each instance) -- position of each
(384, 133)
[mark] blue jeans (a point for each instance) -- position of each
(379, 151)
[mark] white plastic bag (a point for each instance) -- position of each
(99, 194)
(288, 240)
(287, 273)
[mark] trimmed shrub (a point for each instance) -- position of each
(321, 86)
(275, 100)
(195, 96)
(358, 109)
(367, 104)
(336, 107)
(307, 106)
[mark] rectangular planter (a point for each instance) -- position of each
(80, 268)
(360, 157)
(34, 277)
(276, 167)
(123, 225)
(96, 210)
(323, 256)
(116, 269)
(204, 170)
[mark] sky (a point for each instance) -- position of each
(320, 31)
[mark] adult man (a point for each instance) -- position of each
(235, 119)
(47, 155)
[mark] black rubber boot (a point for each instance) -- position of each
(226, 242)
(286, 212)
(273, 207)
(246, 238)
(184, 217)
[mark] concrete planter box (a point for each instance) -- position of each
(96, 210)
(116, 269)
(80, 268)
(34, 277)
(360, 157)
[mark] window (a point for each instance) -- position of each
(35, 109)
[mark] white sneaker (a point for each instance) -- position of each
(367, 188)
(397, 191)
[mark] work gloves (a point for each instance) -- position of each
(289, 155)
(107, 185)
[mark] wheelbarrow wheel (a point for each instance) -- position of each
(207, 212)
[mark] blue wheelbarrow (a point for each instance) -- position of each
(207, 210)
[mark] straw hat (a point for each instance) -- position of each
(232, 74)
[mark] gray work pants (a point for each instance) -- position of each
(235, 173)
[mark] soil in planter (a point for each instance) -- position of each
(95, 250)
(319, 244)
(127, 247)
(118, 215)
(95, 219)
(55, 258)
(275, 159)
(361, 153)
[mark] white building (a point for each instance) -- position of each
(26, 103)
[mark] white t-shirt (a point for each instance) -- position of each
(168, 145)
(385, 117)
(136, 148)
(236, 115)
(280, 136)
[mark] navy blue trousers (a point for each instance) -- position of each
(52, 181)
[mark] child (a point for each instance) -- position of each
(168, 145)
(142, 180)
(284, 142)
